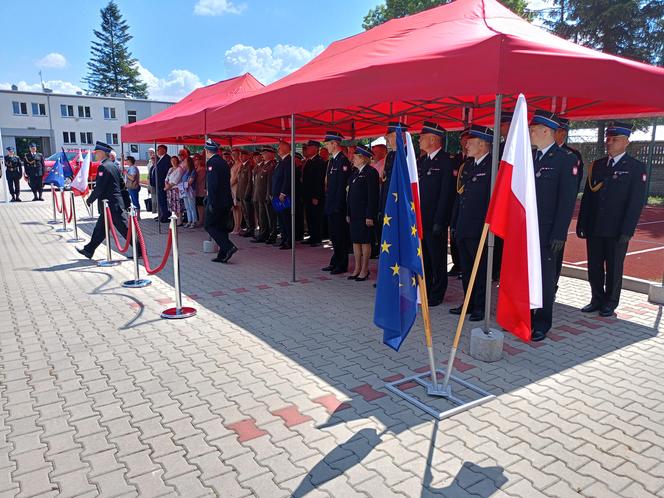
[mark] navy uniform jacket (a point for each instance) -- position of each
(363, 193)
(579, 162)
(338, 174)
(385, 180)
(556, 186)
(313, 179)
(472, 202)
(281, 177)
(218, 180)
(14, 167)
(437, 189)
(108, 186)
(615, 207)
(161, 168)
(34, 164)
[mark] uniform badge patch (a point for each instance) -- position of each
(345, 168)
(455, 172)
(210, 168)
(101, 173)
(575, 171)
(644, 177)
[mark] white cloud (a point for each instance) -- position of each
(267, 63)
(218, 7)
(53, 60)
(58, 86)
(176, 85)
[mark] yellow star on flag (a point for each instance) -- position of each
(385, 247)
(396, 196)
(413, 230)
(412, 206)
(386, 220)
(412, 281)
(419, 251)
(395, 269)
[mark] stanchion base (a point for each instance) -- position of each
(65, 229)
(53, 222)
(87, 219)
(105, 263)
(76, 240)
(174, 313)
(136, 284)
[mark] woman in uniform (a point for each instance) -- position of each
(362, 210)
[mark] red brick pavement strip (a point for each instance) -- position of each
(555, 337)
(393, 378)
(263, 287)
(588, 324)
(459, 365)
(331, 403)
(240, 290)
(605, 319)
(284, 284)
(367, 392)
(291, 416)
(407, 385)
(304, 281)
(511, 350)
(246, 430)
(570, 330)
(323, 277)
(217, 293)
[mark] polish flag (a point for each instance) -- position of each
(512, 216)
(411, 160)
(80, 182)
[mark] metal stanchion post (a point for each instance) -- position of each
(178, 311)
(136, 282)
(64, 213)
(108, 261)
(55, 220)
(72, 198)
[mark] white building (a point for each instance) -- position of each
(54, 120)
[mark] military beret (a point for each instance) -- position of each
(545, 118)
(102, 146)
(333, 136)
(392, 126)
(506, 117)
(616, 128)
(211, 145)
(482, 132)
(363, 151)
(433, 128)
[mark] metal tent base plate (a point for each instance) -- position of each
(461, 404)
(105, 263)
(137, 284)
(174, 313)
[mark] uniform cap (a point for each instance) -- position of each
(313, 143)
(564, 123)
(10, 149)
(482, 132)
(545, 118)
(616, 129)
(433, 128)
(211, 145)
(103, 147)
(362, 150)
(333, 136)
(33, 144)
(392, 126)
(268, 148)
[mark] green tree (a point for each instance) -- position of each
(112, 69)
(393, 9)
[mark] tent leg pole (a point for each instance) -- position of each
(293, 203)
(495, 160)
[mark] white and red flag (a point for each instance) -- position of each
(411, 160)
(80, 182)
(512, 216)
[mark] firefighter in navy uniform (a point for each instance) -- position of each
(313, 191)
(610, 209)
(336, 181)
(34, 171)
(556, 185)
(14, 168)
(437, 191)
(108, 186)
(472, 203)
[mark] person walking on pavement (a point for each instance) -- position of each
(14, 168)
(34, 172)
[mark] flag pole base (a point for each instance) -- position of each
(63, 229)
(175, 313)
(461, 404)
(53, 222)
(105, 263)
(137, 284)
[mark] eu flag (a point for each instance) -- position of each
(400, 256)
(57, 174)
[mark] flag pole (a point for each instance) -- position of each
(466, 302)
(426, 318)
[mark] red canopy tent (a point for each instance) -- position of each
(446, 64)
(185, 122)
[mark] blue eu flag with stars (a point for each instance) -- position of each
(60, 170)
(400, 256)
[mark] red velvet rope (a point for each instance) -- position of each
(64, 206)
(146, 262)
(115, 235)
(57, 203)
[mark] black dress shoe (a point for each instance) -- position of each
(352, 277)
(257, 241)
(328, 268)
(476, 316)
(83, 252)
(338, 271)
(436, 302)
(362, 279)
(19, 200)
(590, 308)
(285, 247)
(454, 271)
(229, 254)
(218, 259)
(606, 311)
(457, 310)
(538, 336)
(40, 198)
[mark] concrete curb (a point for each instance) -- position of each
(629, 283)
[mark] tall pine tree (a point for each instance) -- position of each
(112, 69)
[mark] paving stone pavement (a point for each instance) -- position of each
(277, 388)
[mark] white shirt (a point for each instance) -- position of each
(477, 161)
(334, 156)
(434, 153)
(616, 159)
(546, 149)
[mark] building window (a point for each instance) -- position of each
(109, 112)
(86, 137)
(131, 117)
(112, 138)
(133, 148)
(66, 111)
(38, 109)
(69, 137)
(20, 108)
(84, 111)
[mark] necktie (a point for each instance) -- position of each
(538, 156)
(611, 163)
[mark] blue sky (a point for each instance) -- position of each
(180, 44)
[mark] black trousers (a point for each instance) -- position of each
(119, 220)
(467, 250)
(606, 259)
(340, 238)
(542, 318)
(162, 202)
(454, 250)
(37, 186)
(14, 183)
(285, 226)
(216, 224)
(314, 220)
(434, 253)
